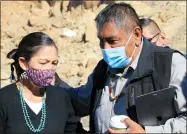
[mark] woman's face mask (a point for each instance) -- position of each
(41, 78)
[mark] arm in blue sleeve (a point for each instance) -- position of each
(81, 97)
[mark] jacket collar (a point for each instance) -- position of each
(145, 63)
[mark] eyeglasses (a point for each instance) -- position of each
(150, 39)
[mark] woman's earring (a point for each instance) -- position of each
(23, 76)
(12, 77)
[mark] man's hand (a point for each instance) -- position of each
(115, 131)
(133, 127)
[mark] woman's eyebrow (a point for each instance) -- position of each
(44, 59)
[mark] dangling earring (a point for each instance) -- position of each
(12, 77)
(23, 76)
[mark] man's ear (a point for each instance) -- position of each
(163, 38)
(138, 36)
(23, 63)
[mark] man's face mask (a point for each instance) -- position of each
(116, 57)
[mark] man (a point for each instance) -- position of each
(152, 32)
(130, 68)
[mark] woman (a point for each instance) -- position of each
(31, 104)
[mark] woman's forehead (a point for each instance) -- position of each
(46, 52)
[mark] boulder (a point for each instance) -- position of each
(65, 4)
(63, 69)
(57, 22)
(91, 36)
(92, 62)
(55, 10)
(91, 4)
(42, 22)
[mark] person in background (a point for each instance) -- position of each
(31, 104)
(152, 32)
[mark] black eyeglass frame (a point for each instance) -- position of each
(150, 39)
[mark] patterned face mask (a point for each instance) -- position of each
(41, 78)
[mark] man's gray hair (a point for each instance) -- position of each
(122, 15)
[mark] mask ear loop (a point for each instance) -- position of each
(134, 46)
(127, 44)
(133, 51)
(128, 41)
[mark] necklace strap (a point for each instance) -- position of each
(111, 85)
(27, 117)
